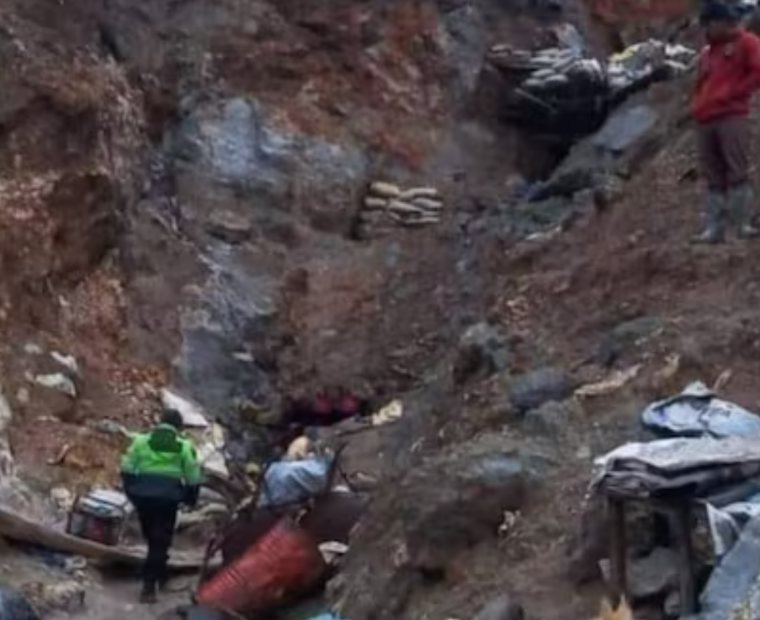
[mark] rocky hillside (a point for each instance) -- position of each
(180, 183)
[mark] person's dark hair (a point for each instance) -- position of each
(172, 417)
(716, 11)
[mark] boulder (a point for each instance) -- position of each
(653, 576)
(550, 419)
(625, 337)
(421, 520)
(617, 147)
(502, 608)
(533, 389)
(672, 605)
(482, 350)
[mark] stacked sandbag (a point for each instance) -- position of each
(566, 74)
(510, 59)
(386, 206)
(641, 60)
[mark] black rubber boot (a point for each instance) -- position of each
(148, 594)
(739, 202)
(712, 214)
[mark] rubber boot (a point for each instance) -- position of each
(739, 203)
(148, 594)
(712, 215)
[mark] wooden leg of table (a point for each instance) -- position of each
(681, 524)
(618, 578)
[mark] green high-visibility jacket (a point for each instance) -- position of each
(160, 464)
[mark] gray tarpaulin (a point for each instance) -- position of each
(697, 412)
(700, 469)
(700, 466)
(733, 591)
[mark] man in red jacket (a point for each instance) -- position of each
(728, 75)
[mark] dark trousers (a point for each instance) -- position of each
(724, 152)
(158, 518)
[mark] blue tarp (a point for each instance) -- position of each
(697, 412)
(289, 482)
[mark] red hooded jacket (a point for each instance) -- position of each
(728, 74)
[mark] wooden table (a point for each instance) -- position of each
(679, 514)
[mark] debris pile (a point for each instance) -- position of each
(386, 205)
(565, 83)
(702, 468)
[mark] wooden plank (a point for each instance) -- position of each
(681, 526)
(618, 551)
(18, 528)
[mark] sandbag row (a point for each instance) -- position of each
(386, 205)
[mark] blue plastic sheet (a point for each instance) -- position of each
(289, 482)
(13, 606)
(697, 412)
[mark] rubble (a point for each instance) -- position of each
(445, 504)
(66, 596)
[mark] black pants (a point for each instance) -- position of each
(158, 518)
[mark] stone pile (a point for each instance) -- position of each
(386, 205)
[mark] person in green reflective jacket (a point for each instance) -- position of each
(160, 471)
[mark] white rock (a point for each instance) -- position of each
(31, 348)
(69, 361)
(192, 413)
(57, 381)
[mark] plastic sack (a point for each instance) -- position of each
(289, 482)
(283, 563)
(733, 584)
(696, 412)
(13, 606)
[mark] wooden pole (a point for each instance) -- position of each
(681, 525)
(618, 577)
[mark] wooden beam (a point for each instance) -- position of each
(618, 551)
(18, 528)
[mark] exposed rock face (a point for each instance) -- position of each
(425, 517)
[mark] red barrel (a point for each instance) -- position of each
(284, 562)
